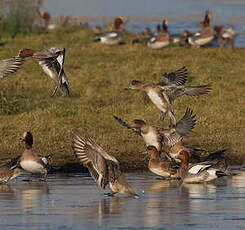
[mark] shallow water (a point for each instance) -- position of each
(74, 201)
(182, 14)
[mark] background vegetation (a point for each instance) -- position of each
(98, 75)
(18, 16)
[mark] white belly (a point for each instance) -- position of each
(158, 45)
(49, 72)
(151, 139)
(160, 172)
(201, 41)
(31, 166)
(157, 100)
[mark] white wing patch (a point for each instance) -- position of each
(196, 168)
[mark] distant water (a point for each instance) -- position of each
(75, 202)
(182, 14)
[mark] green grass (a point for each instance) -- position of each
(98, 75)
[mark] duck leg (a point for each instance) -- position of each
(55, 90)
(162, 115)
(109, 194)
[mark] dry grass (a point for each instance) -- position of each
(98, 75)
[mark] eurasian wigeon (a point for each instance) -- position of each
(200, 172)
(52, 63)
(31, 161)
(113, 37)
(103, 167)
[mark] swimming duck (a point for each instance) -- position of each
(113, 37)
(52, 63)
(159, 137)
(200, 172)
(31, 161)
(226, 35)
(163, 96)
(103, 167)
(9, 170)
(9, 66)
(161, 39)
(206, 34)
(158, 166)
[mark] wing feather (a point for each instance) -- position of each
(92, 156)
(9, 66)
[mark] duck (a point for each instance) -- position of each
(52, 63)
(163, 96)
(206, 35)
(226, 35)
(162, 137)
(161, 39)
(9, 170)
(9, 66)
(113, 37)
(160, 167)
(30, 161)
(103, 167)
(144, 38)
(198, 173)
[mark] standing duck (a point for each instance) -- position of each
(144, 38)
(159, 137)
(226, 35)
(52, 63)
(113, 37)
(31, 161)
(9, 170)
(161, 39)
(164, 168)
(9, 66)
(206, 34)
(104, 168)
(200, 172)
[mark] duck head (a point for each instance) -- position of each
(28, 139)
(147, 32)
(152, 151)
(184, 157)
(208, 16)
(135, 84)
(26, 53)
(165, 25)
(138, 124)
(117, 22)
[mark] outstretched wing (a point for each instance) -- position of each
(123, 123)
(177, 77)
(183, 128)
(9, 66)
(94, 158)
(177, 91)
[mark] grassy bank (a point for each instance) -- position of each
(98, 75)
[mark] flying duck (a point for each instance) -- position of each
(162, 137)
(113, 37)
(163, 96)
(52, 63)
(103, 167)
